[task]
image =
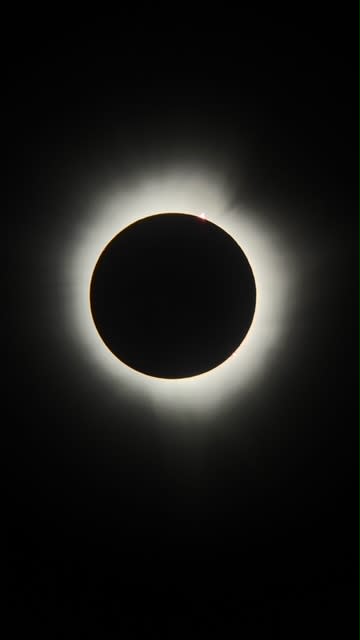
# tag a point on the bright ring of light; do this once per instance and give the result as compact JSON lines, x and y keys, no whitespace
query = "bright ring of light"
{"x":200,"y":194}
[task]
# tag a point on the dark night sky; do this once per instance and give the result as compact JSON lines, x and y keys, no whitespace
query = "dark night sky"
{"x":114,"y":520}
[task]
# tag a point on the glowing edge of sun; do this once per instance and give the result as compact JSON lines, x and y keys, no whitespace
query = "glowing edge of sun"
{"x":190,"y":193}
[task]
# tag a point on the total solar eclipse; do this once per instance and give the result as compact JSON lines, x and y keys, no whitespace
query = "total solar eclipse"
{"x":172,"y":295}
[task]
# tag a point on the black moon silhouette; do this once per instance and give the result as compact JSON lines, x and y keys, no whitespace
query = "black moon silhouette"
{"x":172,"y":295}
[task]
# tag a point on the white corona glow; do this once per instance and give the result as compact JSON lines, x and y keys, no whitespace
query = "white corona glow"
{"x":190,"y":193}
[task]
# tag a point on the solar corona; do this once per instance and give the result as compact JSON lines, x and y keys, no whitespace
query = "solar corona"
{"x":187,"y":344}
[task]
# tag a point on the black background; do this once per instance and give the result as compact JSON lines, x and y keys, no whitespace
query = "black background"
{"x":115,"y":523}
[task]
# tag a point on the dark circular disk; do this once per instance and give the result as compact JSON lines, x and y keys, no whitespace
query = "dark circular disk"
{"x":172,"y":295}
